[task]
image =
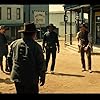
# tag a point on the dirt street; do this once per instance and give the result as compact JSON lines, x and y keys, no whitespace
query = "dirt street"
{"x":68,"y":77}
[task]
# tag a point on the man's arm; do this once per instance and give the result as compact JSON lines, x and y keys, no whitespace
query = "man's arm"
{"x":41,"y":65}
{"x":43,"y":45}
{"x":9,"y":58}
{"x":90,"y":40}
{"x":58,"y":45}
{"x":10,"y":55}
{"x":77,"y":36}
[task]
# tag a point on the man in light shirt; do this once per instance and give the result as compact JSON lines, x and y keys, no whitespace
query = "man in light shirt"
{"x":85,"y":46}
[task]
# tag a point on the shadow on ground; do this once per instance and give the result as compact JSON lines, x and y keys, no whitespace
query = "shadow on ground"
{"x":96,"y":72}
{"x":95,"y":53}
{"x":64,"y":74}
{"x":7,"y":81}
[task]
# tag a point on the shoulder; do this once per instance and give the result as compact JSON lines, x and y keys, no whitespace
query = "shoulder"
{"x":37,"y":46}
{"x":15,"y":42}
{"x":46,"y":33}
{"x":78,"y":32}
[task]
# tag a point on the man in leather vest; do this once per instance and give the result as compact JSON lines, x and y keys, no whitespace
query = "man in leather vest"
{"x":85,"y":44}
{"x":51,"y":44}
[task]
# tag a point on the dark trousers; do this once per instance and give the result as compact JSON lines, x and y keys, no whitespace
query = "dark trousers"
{"x":88,"y":54}
{"x":4,"y":53}
{"x":1,"y":65}
{"x":26,"y":88}
{"x":50,"y":51}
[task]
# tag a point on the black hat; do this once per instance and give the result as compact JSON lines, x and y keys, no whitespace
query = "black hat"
{"x":83,"y":25}
{"x":28,"y":27}
{"x":4,"y":27}
{"x":51,"y":25}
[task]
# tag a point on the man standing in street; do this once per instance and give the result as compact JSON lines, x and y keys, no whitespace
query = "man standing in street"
{"x":27,"y":60}
{"x":3,"y":45}
{"x":85,"y":43}
{"x":51,"y":44}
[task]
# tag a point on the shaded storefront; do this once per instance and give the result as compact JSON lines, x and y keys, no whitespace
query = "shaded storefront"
{"x":93,"y":22}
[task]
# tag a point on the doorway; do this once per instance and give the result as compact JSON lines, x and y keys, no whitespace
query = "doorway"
{"x":98,"y":29}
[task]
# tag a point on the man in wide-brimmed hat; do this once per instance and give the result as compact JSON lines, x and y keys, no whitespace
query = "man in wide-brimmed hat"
{"x":3,"y":45}
{"x":28,"y":61}
{"x":85,"y":43}
{"x":51,"y":44}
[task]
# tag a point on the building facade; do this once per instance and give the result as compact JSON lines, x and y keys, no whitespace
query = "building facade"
{"x":39,"y":14}
{"x":12,"y":17}
{"x":93,"y":22}
{"x":57,"y":18}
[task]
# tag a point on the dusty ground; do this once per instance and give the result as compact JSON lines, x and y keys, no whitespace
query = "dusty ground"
{"x":68,"y":77}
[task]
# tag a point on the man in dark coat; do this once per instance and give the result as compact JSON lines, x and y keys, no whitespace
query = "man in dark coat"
{"x":3,"y":44}
{"x":27,"y":60}
{"x":85,"y":44}
{"x":51,"y":44}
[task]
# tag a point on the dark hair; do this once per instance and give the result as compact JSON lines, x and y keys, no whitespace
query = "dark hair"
{"x":83,"y":25}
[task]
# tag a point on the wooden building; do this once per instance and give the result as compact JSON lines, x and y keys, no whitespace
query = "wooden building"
{"x":93,"y":23}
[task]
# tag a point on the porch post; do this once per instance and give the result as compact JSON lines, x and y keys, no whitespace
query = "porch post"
{"x":82,"y":15}
{"x":91,"y":21}
{"x":65,"y":26}
{"x":65,"y":19}
{"x":70,"y":27}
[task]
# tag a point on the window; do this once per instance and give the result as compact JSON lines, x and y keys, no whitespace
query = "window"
{"x":97,"y":18}
{"x":18,"y":13}
{"x":9,"y":13}
{"x":0,"y":13}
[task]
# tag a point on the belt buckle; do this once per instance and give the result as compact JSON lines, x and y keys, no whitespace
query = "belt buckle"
{"x":50,"y":47}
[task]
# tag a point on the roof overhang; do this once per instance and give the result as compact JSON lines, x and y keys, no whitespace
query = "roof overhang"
{"x":77,"y":7}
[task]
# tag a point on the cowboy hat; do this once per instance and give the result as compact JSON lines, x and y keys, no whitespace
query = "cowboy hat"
{"x":28,"y":27}
{"x":83,"y":25}
{"x":4,"y":27}
{"x":51,"y":25}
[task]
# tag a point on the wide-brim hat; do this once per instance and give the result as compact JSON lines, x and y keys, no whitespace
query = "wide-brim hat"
{"x":28,"y":27}
{"x":51,"y":25}
{"x":4,"y":27}
{"x":83,"y":25}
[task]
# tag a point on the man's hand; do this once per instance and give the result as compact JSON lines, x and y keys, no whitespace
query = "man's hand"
{"x":42,"y":79}
{"x":43,"y":51}
{"x":86,"y":48}
{"x":58,"y":50}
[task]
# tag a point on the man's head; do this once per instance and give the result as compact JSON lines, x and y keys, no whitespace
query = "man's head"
{"x":29,"y":29}
{"x":83,"y":27}
{"x":3,"y":29}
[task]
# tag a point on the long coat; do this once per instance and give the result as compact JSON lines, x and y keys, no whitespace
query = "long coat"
{"x":27,"y":66}
{"x":3,"y":45}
